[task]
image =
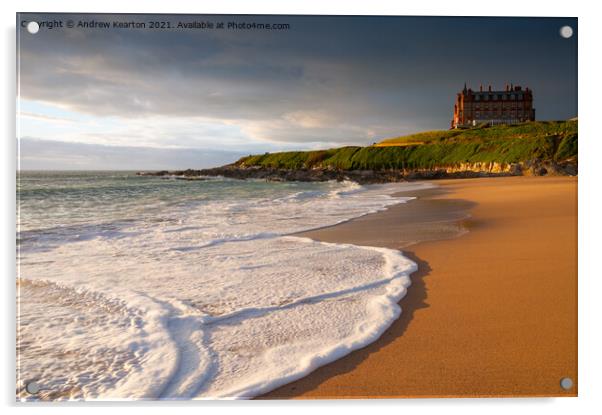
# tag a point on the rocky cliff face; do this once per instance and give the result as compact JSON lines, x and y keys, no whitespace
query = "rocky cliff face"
{"x":529,"y":168}
{"x":464,"y":170}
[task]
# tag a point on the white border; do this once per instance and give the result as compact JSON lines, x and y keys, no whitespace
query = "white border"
{"x":590,"y":386}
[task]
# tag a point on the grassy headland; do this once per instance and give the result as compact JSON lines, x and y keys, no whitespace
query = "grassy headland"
{"x":534,"y":148}
{"x":545,"y":141}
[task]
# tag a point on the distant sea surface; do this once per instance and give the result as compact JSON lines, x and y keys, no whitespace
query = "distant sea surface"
{"x":151,"y":288}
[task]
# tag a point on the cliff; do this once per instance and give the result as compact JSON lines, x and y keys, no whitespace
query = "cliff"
{"x":534,"y":148}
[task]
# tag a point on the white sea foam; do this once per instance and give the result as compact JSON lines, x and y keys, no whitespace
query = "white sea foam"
{"x":215,"y":300}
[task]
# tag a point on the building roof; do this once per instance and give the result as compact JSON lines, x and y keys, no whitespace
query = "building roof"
{"x":498,"y":92}
{"x":510,"y":89}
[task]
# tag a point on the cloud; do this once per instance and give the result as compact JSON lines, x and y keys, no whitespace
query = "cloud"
{"x":300,"y":86}
{"x":44,"y":117}
{"x":310,"y":119}
{"x":36,"y":154}
{"x":329,"y":80}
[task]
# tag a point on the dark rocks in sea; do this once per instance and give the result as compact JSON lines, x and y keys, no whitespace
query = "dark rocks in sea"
{"x":533,"y":167}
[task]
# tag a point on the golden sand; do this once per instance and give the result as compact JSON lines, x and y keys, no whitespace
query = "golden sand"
{"x":492,"y":312}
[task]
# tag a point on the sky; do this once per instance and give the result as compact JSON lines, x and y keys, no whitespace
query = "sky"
{"x":176,"y":98}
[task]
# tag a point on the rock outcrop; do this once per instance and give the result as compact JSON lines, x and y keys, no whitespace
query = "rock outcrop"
{"x":532,"y":167}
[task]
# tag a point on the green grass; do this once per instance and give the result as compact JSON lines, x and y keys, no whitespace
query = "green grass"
{"x":502,"y":144}
{"x":526,"y":130}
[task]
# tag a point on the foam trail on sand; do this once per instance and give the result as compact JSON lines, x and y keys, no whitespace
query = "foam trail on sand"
{"x":209,"y":298}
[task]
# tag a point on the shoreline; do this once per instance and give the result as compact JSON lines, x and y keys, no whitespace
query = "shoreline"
{"x":488,"y":312}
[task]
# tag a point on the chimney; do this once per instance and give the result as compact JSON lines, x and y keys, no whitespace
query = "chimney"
{"x":489,"y":88}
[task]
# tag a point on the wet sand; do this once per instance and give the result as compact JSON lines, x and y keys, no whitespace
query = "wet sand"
{"x":491,"y":311}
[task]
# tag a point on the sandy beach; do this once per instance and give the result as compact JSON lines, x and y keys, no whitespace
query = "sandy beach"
{"x":492,"y":310}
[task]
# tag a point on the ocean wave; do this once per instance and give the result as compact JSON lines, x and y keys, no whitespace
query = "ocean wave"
{"x":221,"y":303}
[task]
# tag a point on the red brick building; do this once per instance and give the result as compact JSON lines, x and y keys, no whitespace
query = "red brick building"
{"x":513,"y":105}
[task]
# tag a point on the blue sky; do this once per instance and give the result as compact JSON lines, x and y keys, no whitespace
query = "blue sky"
{"x":186,"y":98}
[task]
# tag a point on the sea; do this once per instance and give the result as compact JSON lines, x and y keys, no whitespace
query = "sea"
{"x":142,"y":287}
